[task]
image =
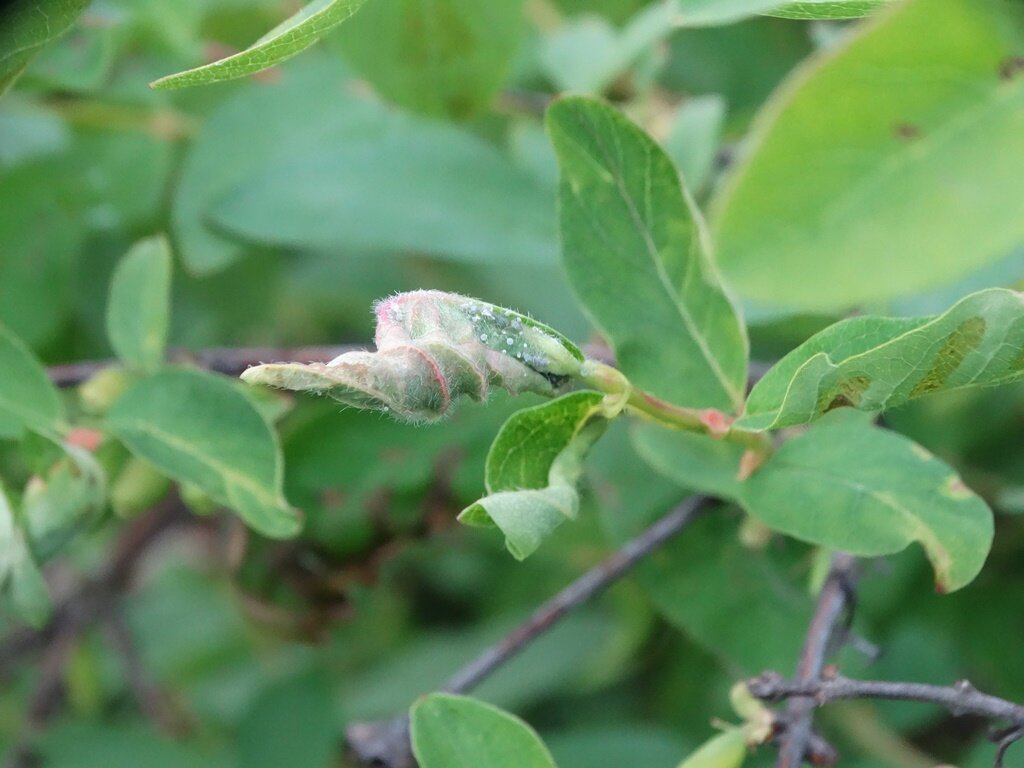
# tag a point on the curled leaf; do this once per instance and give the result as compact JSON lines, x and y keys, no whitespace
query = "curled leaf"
{"x":433,"y":347}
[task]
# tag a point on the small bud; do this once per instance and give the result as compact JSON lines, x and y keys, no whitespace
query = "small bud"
{"x":744,"y":704}
{"x":433,"y":347}
{"x":138,"y":487}
{"x":101,"y":390}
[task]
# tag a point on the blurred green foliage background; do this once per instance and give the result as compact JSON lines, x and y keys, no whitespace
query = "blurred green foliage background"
{"x":407,"y":151}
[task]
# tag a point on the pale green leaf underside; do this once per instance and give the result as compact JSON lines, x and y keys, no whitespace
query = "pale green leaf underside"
{"x":874,"y":363}
{"x":897,"y":189}
{"x":29,"y":26}
{"x":533,"y":467}
{"x":27,"y":397}
{"x":460,"y":732}
{"x":197,"y":428}
{"x":21,"y":583}
{"x":849,"y":486}
{"x":284,"y":41}
{"x":828,"y":9}
{"x":138,"y":311}
{"x":633,"y":250}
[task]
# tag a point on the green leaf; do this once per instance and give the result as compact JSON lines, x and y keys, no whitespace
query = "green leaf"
{"x":849,"y":486}
{"x":290,"y":37}
{"x":304,"y":701}
{"x":460,"y":732}
{"x":696,"y":462}
{"x":726,"y":750}
{"x":27,"y":397}
{"x":692,"y":141}
{"x":419,"y":187}
{"x":698,"y":13}
{"x":197,"y":428}
{"x":29,"y":26}
{"x":533,"y":467}
{"x":897,"y":189}
{"x":445,"y":57}
{"x":21,"y":583}
{"x":138,"y":311}
{"x":874,"y":363}
{"x":63,"y":502}
{"x":634,"y":251}
{"x":808,"y":10}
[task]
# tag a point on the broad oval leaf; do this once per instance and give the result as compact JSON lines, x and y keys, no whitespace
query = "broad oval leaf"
{"x":415,"y":186}
{"x":433,"y":348}
{"x":198,"y":428}
{"x":533,"y":467}
{"x":874,"y":363}
{"x":809,"y":10}
{"x":138,"y":310}
{"x":445,"y":57}
{"x":21,"y":583}
{"x":895,"y":188}
{"x":28,"y":26}
{"x":27,"y":397}
{"x":288,"y":38}
{"x":634,"y":251}
{"x":460,"y":732}
{"x":850,"y":486}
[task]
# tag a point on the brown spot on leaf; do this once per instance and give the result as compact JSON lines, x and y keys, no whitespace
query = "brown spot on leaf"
{"x":966,"y":337}
{"x":846,"y":393}
{"x":955,"y":487}
{"x":1010,"y":67}
{"x":907,"y":131}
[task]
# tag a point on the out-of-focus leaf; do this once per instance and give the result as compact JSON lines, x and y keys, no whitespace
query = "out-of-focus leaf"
{"x":697,"y":462}
{"x":310,"y":740}
{"x":759,"y":621}
{"x":808,"y":10}
{"x":587,"y":55}
{"x":460,"y":732}
{"x":874,"y":363}
{"x":21,"y":583}
{"x":533,"y":467}
{"x":284,"y":41}
{"x":138,"y":311}
{"x":605,"y":746}
{"x":445,"y":57}
{"x":419,"y":187}
{"x":198,"y":428}
{"x":692,"y":141}
{"x":27,"y":397}
{"x":57,"y":506}
{"x":897,"y":189}
{"x":77,"y":744}
{"x":849,"y":486}
{"x":635,"y":253}
{"x":697,"y":13}
{"x":726,"y":750}
{"x":28,"y":26}
{"x":29,"y":131}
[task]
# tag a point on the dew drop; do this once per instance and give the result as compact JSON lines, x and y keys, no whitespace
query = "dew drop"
{"x":510,"y":341}
{"x":483,"y":337}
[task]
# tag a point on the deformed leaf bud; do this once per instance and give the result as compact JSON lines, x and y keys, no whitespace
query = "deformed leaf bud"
{"x":433,"y":347}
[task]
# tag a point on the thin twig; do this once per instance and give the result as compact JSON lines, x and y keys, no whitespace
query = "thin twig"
{"x":834,"y":602}
{"x":228,"y":360}
{"x":386,"y":744}
{"x":960,"y":699}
